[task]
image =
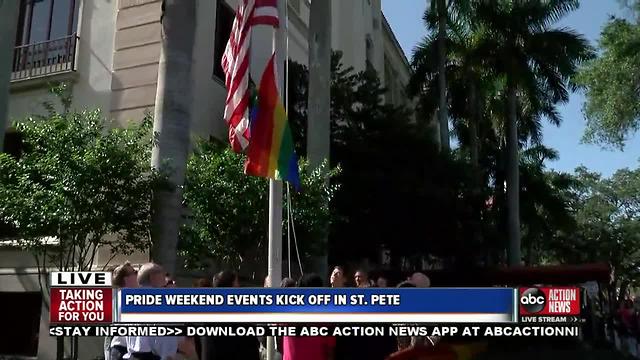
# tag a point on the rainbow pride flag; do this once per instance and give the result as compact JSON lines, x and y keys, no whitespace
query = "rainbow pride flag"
{"x":271,"y":151}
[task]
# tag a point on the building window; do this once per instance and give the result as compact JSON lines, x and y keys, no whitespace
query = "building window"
{"x":224,"y":23}
{"x":45,"y":20}
{"x":21,"y":337}
{"x":45,"y":38}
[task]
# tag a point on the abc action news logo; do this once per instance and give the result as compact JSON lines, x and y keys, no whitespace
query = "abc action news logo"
{"x":550,"y":301}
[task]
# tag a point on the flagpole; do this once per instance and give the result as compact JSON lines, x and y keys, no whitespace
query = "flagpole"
{"x":274,"y":266}
{"x":275,"y":233}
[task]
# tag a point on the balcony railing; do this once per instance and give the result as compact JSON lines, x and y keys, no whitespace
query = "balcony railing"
{"x":44,"y":58}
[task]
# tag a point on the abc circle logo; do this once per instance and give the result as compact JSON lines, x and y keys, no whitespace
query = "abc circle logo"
{"x":533,"y":300}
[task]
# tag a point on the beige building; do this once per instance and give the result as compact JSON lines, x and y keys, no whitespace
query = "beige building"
{"x":109,"y":50}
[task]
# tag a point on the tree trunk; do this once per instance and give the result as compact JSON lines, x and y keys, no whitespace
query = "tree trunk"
{"x":171,"y":126}
{"x":435,"y":127}
{"x":75,"y":347}
{"x":532,"y":256}
{"x":513,"y":179}
{"x":9,"y":13}
{"x":60,"y":348}
{"x":443,"y":117}
{"x":319,"y":114}
{"x":477,"y":199}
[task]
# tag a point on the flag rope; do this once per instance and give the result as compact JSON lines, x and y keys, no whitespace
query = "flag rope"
{"x":290,"y":213}
{"x":288,"y":232}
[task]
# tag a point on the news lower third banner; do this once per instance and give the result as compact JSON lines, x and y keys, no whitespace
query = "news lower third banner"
{"x":316,"y":305}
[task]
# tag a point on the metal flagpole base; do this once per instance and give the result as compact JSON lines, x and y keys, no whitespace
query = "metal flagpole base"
{"x":271,"y":348}
{"x":275,"y":247}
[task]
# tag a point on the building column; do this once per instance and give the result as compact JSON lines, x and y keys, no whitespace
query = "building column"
{"x":9,"y":12}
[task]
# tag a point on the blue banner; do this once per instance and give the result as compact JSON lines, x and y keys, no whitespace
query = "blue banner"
{"x":320,"y":300}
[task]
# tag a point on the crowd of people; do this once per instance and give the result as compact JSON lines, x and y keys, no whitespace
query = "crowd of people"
{"x":627,"y":326}
{"x":247,"y":348}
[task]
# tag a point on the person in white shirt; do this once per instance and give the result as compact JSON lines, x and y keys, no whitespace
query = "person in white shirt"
{"x":124,"y":276}
{"x":151,"y":347}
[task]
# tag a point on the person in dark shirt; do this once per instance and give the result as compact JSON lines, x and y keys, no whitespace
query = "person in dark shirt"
{"x":365,"y":347}
{"x":229,"y":347}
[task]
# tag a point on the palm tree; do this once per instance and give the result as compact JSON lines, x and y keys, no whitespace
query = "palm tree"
{"x":440,"y":18}
{"x":538,"y":62}
{"x":440,"y":7}
{"x":171,"y":127}
{"x":466,"y":90}
{"x":545,"y":209}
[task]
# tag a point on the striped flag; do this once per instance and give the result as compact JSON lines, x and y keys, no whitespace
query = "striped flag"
{"x":235,"y":63}
{"x":271,"y":151}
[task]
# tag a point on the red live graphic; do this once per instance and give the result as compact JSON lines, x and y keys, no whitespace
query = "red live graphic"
{"x":550,"y":301}
{"x":87,"y":305}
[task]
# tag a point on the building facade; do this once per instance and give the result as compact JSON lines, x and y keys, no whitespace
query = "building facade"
{"x":109,"y":51}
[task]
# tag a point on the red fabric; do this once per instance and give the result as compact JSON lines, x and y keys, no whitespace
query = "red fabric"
{"x":235,"y":63}
{"x":308,"y":347}
{"x":627,"y":317}
{"x":262,"y":146}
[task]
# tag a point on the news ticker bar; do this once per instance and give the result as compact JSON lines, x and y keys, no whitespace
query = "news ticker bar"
{"x":298,"y":305}
{"x":450,"y":330}
{"x":87,"y":298}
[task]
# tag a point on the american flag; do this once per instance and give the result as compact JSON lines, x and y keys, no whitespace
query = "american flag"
{"x":235,"y":63}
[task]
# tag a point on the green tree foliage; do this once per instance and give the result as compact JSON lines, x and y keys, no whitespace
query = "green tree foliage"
{"x":397,"y":189}
{"x":228,"y":215}
{"x":607,"y":215}
{"x":507,"y":69}
{"x":544,"y":206}
{"x":612,"y":83}
{"x":80,"y":182}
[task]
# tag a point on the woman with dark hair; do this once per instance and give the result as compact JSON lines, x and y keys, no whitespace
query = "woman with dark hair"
{"x":205,"y":282}
{"x":309,"y":347}
{"x":229,"y":347}
{"x":226,"y":279}
{"x":382,"y":281}
{"x":125,"y":276}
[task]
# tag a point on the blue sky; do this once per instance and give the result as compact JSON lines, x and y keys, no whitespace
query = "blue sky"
{"x":405,"y":17}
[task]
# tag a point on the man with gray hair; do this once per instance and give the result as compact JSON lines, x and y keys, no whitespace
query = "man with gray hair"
{"x":421,"y":280}
{"x":151,"y":275}
{"x":151,"y":347}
